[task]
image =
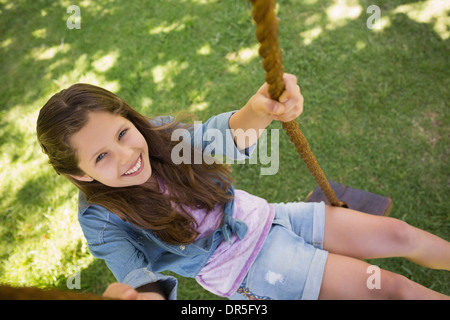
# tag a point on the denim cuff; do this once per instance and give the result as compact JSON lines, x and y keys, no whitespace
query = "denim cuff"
{"x":318,"y":225}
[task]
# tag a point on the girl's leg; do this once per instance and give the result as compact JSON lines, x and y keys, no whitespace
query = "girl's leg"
{"x":364,"y":236}
{"x":347,"y":278}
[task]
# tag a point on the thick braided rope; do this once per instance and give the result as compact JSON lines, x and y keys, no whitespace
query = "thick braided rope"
{"x":267,"y":35}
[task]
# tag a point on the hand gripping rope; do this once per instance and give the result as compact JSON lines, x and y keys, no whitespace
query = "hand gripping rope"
{"x":267,"y":34}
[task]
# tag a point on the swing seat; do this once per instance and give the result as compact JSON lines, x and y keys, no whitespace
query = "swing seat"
{"x":356,"y":199}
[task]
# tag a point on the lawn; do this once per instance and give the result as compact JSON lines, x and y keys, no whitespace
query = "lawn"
{"x":376,"y":108}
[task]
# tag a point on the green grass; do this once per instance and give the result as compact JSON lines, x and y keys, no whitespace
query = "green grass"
{"x":376,"y":108}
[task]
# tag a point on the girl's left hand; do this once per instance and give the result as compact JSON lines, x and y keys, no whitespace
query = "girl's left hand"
{"x":289,"y":106}
{"x":123,"y":291}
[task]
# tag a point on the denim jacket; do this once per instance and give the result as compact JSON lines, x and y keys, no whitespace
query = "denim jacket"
{"x":136,"y":256}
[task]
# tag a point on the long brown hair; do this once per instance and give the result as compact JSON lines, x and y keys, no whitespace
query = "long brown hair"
{"x":193,"y":185}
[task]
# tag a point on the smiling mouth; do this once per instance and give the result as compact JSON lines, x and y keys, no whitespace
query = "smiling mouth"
{"x":136,"y":169}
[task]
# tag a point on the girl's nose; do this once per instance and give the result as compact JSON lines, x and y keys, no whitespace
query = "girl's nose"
{"x":124,"y":155}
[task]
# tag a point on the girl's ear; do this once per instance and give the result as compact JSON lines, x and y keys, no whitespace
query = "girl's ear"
{"x":85,"y":178}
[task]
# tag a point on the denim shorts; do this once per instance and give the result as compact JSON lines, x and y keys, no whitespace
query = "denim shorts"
{"x":291,"y":262}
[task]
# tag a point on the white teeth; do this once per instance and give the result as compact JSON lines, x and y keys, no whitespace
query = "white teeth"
{"x":135,"y":168}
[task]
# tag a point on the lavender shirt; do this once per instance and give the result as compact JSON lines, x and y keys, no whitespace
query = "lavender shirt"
{"x":228,"y":265}
{"x":230,"y":262}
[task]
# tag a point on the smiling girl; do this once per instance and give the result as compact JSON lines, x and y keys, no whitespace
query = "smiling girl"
{"x":144,"y":214}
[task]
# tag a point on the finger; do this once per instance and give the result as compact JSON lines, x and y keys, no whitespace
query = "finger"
{"x":292,"y":95}
{"x":264,"y":90}
{"x":294,"y":104}
{"x":293,"y":109}
{"x":291,"y":87}
{"x":120,"y":291}
{"x":275,"y":108}
{"x":291,"y":91}
{"x":267,"y":105}
{"x":287,"y":116}
{"x":129,"y":294}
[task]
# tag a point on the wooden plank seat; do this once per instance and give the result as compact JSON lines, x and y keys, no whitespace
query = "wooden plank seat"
{"x":356,"y":199}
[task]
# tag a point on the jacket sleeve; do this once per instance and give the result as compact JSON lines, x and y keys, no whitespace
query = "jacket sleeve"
{"x":108,"y":239}
{"x":213,"y":137}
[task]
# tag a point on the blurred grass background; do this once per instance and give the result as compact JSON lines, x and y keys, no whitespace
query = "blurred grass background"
{"x":376,"y":108}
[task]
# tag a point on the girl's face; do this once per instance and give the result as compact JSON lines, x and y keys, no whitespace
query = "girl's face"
{"x":112,"y":151}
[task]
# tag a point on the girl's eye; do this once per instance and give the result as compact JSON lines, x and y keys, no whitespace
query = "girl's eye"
{"x":121,"y":134}
{"x":100,"y":157}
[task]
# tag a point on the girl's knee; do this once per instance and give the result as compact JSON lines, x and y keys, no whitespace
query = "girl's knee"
{"x":395,"y":286}
{"x":402,"y":235}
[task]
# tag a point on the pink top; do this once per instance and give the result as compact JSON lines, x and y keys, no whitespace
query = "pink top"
{"x":228,"y":265}
{"x":230,"y":262}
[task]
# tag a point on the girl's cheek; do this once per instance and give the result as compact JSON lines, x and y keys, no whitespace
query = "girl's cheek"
{"x":105,"y":172}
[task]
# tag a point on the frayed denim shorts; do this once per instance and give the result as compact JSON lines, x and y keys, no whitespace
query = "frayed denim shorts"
{"x":291,"y":262}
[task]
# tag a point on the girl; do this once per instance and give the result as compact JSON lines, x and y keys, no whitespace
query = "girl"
{"x":143,"y":213}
